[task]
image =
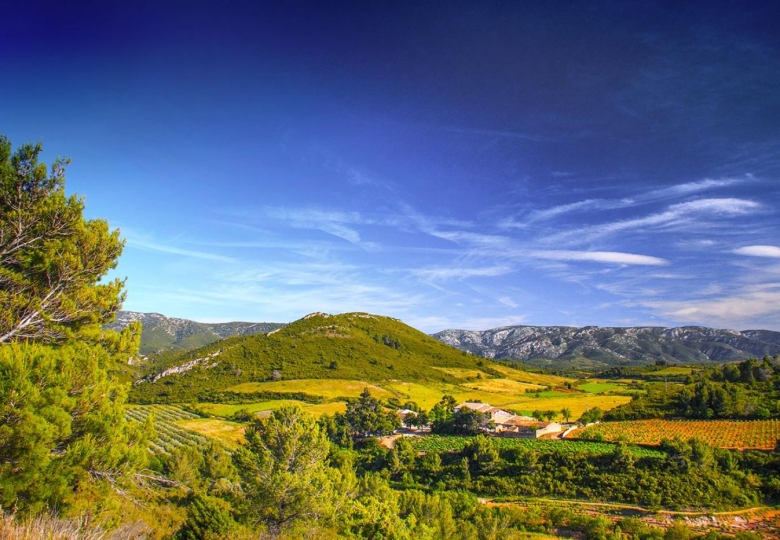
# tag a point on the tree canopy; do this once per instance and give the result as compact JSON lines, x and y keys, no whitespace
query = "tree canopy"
{"x":64,"y":438}
{"x":283,"y":469}
{"x":52,"y":260}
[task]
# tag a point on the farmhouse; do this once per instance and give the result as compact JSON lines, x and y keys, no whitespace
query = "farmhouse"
{"x":496,"y":415}
{"x":403,"y":413}
{"x":524,"y":426}
{"x":508,"y":424}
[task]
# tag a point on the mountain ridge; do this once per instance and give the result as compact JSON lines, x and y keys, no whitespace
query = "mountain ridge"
{"x":160,"y":332}
{"x":595,"y":346}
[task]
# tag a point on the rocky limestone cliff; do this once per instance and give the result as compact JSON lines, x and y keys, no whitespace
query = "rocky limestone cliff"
{"x":593,"y":346}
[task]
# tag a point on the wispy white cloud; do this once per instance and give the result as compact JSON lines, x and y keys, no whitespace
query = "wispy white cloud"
{"x":285,"y":292}
{"x":494,"y":133}
{"x":146,"y":244}
{"x":410,"y":219}
{"x":556,"y":211}
{"x":688,"y":188}
{"x":752,"y":305}
{"x":451,"y":272}
{"x":358,"y":177}
{"x":609,"y":257}
{"x":677,"y":216}
{"x":331,"y":222}
{"x":435,"y":323}
{"x":473,"y":239}
{"x":759,"y":251}
{"x":587,"y":205}
{"x":553,"y":212}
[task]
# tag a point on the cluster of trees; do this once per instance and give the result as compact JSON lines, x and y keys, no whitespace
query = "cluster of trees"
{"x":591,"y":415}
{"x":64,"y":439}
{"x":444,"y":419}
{"x":366,"y":416}
{"x":691,"y":474}
{"x":749,"y":389}
{"x":289,"y":481}
{"x":51,"y":258}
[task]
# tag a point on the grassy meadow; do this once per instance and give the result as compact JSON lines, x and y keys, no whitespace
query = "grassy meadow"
{"x":500,"y":392}
{"x":326,"y":389}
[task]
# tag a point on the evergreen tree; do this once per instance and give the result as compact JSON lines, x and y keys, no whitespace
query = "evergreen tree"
{"x":63,"y":425}
{"x":51,"y":258}
{"x":367,"y":416}
{"x":64,"y":440}
{"x":283,"y":470}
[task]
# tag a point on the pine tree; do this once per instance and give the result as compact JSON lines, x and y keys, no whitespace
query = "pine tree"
{"x":283,"y":470}
{"x":51,"y":258}
{"x":64,"y":428}
{"x":65,"y":443}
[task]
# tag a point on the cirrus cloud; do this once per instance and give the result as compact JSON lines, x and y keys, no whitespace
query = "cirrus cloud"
{"x":609,"y":257}
{"x":759,"y":251}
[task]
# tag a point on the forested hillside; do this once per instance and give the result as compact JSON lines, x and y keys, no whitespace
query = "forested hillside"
{"x":356,"y":346}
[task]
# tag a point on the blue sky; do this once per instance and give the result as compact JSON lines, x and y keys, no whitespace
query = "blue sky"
{"x":454,"y":165}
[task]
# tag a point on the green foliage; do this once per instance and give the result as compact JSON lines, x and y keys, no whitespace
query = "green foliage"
{"x":592,"y":415}
{"x":749,"y":389}
{"x":682,"y":475}
{"x":448,"y":443}
{"x":63,"y":425}
{"x":367,"y":416}
{"x":208,"y":518}
{"x":337,"y":428}
{"x":306,"y":349}
{"x":51,"y":258}
{"x":283,"y":470}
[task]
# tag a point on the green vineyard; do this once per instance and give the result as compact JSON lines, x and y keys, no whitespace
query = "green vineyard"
{"x":169,"y":435}
{"x":442,"y":443}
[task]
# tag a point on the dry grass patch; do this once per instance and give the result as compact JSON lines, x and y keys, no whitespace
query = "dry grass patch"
{"x":462,"y":373}
{"x":675,"y":370}
{"x":226,"y":410}
{"x":576,"y":403}
{"x":229,"y":433}
{"x":425,"y":396}
{"x":503,"y":386}
{"x":325,"y":408}
{"x":428,"y":395}
{"x":325,"y":388}
{"x":532,"y":378}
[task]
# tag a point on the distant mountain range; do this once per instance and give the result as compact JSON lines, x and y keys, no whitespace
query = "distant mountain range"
{"x":168,"y":333}
{"x":596,"y":347}
{"x":545,"y":346}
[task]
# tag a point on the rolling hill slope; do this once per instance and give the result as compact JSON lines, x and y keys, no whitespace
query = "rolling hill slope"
{"x":596,"y":347}
{"x":352,"y":346}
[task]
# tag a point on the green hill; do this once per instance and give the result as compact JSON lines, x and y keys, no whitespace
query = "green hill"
{"x":351,"y":346}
